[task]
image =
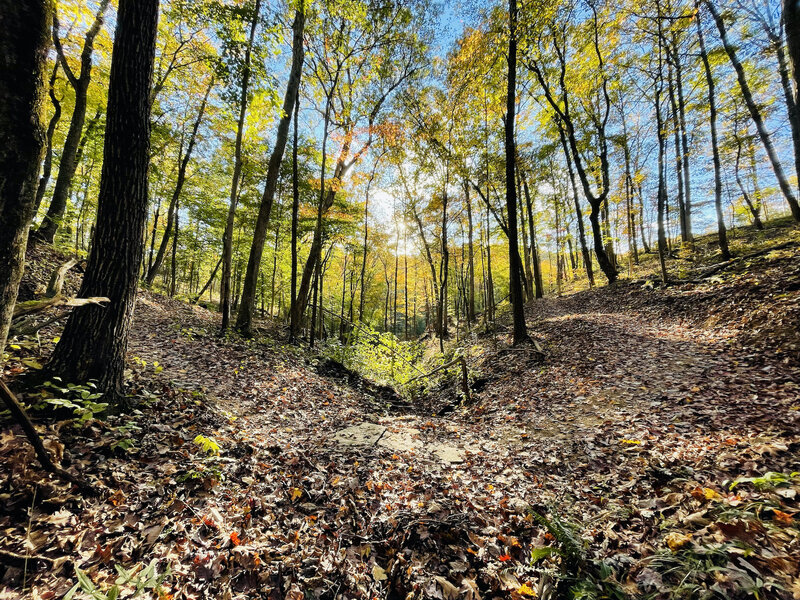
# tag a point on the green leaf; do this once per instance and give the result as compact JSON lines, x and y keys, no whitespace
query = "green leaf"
{"x":538,"y":554}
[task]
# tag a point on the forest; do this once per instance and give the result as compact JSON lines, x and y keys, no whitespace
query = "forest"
{"x":404,"y":299}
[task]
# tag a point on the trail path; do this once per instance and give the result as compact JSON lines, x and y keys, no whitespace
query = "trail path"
{"x":629,"y":415}
{"x":632,"y":429}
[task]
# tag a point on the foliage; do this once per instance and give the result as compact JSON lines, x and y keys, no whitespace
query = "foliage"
{"x":140,"y":580}
{"x":79,"y":398}
{"x":380,"y":356}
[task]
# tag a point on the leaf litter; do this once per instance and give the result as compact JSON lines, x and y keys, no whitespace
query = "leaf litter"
{"x":661,"y":446}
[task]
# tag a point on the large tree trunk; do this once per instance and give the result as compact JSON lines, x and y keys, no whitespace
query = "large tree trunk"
{"x":755,"y":113}
{"x":244,"y":320}
{"x":95,"y":338}
{"x":23,"y":48}
{"x":227,"y":236}
{"x":517,"y":300}
{"x":69,"y":160}
{"x":176,"y":194}
{"x":712,"y":108}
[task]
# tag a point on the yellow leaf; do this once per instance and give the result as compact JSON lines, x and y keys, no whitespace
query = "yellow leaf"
{"x":631,"y":442}
{"x":676,"y":540}
{"x":526,"y":590}
{"x":296,"y":493}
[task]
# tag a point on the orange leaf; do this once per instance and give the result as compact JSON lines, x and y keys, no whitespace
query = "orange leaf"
{"x":504,"y":557}
{"x":782,"y":517}
{"x":235,"y":539}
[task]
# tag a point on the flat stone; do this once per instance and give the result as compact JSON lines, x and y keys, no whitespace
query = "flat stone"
{"x":401,"y":441}
{"x":448,"y":454}
{"x":363,"y":434}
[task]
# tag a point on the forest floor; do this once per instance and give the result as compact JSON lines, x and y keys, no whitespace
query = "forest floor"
{"x":659,"y":438}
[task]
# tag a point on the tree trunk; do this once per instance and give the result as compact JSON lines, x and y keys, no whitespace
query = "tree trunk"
{"x":95,"y":338}
{"x":676,"y":134}
{"x":471,"y":255}
{"x":537,"y":267}
{"x":687,"y":186}
{"x":24,"y":46}
{"x":587,"y":257}
{"x":173,"y":205}
{"x":244,"y":319}
{"x":227,"y":236}
{"x":68,"y":163}
{"x":293,"y":323}
{"x":712,"y":108}
{"x":47,"y":167}
{"x":515,"y":267}
{"x":791,"y":21}
{"x":755,"y":113}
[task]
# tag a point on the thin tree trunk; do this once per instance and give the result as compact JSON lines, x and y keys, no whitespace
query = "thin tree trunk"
{"x":537,"y":267}
{"x":293,"y":323}
{"x":755,"y":113}
{"x":245,"y":316}
{"x":687,"y":186}
{"x":47,"y":166}
{"x":722,"y":233}
{"x":676,"y":135}
{"x":68,"y":162}
{"x":587,"y":257}
{"x":173,"y":204}
{"x":227,"y":236}
{"x":208,"y":283}
{"x":471,"y":255}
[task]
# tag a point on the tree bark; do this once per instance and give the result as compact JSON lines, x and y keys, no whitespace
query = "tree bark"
{"x":69,"y":163}
{"x":518,"y":302}
{"x":293,"y":323}
{"x":95,"y":338}
{"x":791,"y":21}
{"x":722,"y":233}
{"x":244,"y":320}
{"x":471,"y":258}
{"x":24,"y":46}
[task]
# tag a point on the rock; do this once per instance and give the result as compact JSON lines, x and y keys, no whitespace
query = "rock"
{"x":401,"y":441}
{"x":364,"y":434}
{"x":448,"y":454}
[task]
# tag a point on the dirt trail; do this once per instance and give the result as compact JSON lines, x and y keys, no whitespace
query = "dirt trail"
{"x":631,"y":413}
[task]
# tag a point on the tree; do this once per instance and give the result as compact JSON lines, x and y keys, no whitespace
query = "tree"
{"x":152,"y":271}
{"x":244,"y":319}
{"x":755,"y":112}
{"x":227,"y":236}
{"x":515,"y":264}
{"x":95,"y":338}
{"x":560,"y":104}
{"x":23,"y":46}
{"x":69,"y":163}
{"x":791,"y":20}
{"x":712,"y":108}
